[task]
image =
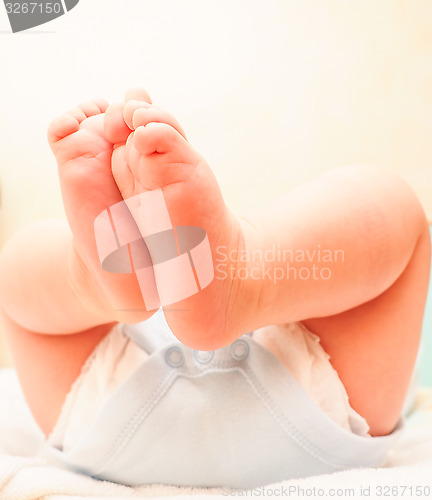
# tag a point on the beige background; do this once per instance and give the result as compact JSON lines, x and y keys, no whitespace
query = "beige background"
{"x":270,"y":92}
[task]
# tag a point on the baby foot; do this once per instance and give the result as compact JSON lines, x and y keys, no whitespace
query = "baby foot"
{"x":84,"y":156}
{"x":158,"y":157}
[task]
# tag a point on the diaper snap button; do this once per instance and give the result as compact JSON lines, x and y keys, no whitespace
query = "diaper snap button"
{"x":175,"y":357}
{"x":203,"y":357}
{"x":240,"y":350}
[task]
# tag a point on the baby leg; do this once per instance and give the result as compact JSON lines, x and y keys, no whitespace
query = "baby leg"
{"x":57,"y":302}
{"x":368,"y":313}
{"x":349,"y":256}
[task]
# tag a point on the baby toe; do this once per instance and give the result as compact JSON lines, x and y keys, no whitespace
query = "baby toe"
{"x":157,"y":138}
{"x":137,"y":94}
{"x":61,"y":127}
{"x":143,"y":116}
{"x":115,"y":128}
{"x":94,"y":107}
{"x":129,"y":110}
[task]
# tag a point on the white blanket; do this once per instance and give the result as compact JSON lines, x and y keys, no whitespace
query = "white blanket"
{"x":24,"y":476}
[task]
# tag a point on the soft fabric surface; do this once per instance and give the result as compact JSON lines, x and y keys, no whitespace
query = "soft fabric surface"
{"x":25,"y":475}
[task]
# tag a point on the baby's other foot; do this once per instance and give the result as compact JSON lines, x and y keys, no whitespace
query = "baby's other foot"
{"x":84,"y":155}
{"x":157,"y":157}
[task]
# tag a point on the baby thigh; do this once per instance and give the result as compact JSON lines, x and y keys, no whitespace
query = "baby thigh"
{"x":374,"y":346}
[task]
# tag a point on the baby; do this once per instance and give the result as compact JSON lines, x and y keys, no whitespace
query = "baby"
{"x":203,"y":391}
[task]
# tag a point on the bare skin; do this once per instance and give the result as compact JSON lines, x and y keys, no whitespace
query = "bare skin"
{"x":58,"y":303}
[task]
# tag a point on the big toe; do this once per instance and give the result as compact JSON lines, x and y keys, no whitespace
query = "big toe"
{"x":143,"y":115}
{"x":117,"y":129}
{"x":138,"y":94}
{"x":160,"y":138}
{"x":159,"y":156}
